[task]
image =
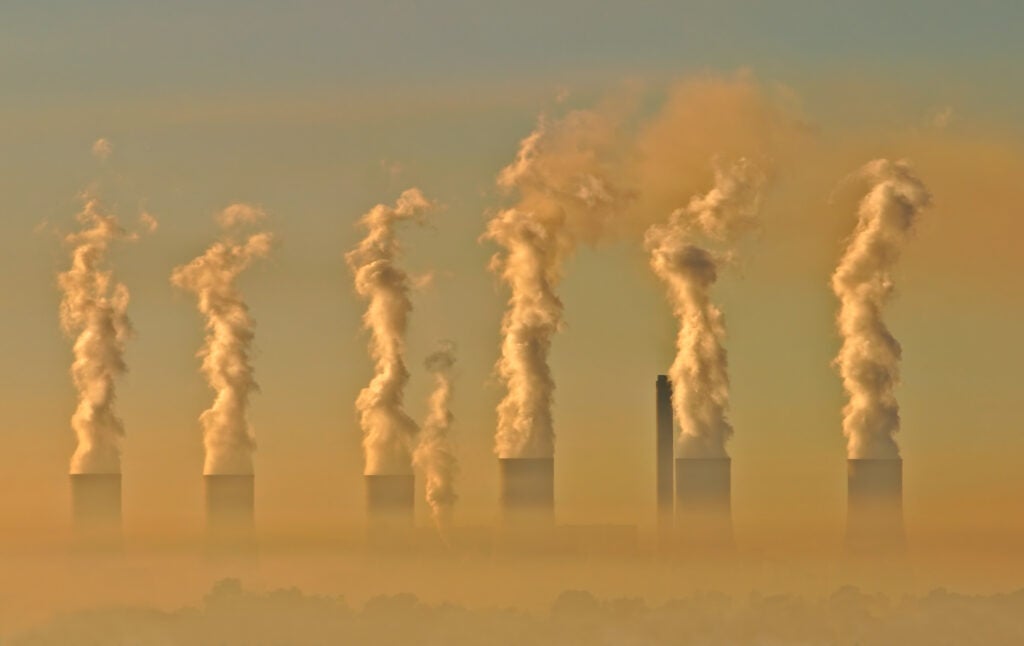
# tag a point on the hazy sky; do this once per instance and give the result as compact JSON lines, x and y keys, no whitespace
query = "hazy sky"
{"x":317,"y":111}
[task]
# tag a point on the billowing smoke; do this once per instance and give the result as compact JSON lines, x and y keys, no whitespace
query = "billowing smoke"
{"x":102,"y":149}
{"x":227,"y":434}
{"x":562,"y":174}
{"x":388,"y":431}
{"x":699,"y":373}
{"x":435,"y":455}
{"x":869,"y":359}
{"x":94,"y":312}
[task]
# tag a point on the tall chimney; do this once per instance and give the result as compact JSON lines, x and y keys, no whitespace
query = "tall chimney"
{"x":874,"y":514}
{"x":528,"y":489}
{"x":230,"y":508}
{"x":664,"y":443}
{"x":96,"y":507}
{"x":703,"y":513}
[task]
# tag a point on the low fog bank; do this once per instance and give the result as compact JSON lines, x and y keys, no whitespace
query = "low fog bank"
{"x":231,"y":614}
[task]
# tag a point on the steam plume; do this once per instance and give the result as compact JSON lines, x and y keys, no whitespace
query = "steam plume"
{"x":869,"y":358}
{"x":227,"y":433}
{"x":94,"y":311}
{"x":102,"y":149}
{"x":388,"y":432}
{"x":435,"y":454}
{"x":562,"y":174}
{"x":699,"y":373}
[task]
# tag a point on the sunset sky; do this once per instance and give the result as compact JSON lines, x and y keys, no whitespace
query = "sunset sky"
{"x":317,"y":111}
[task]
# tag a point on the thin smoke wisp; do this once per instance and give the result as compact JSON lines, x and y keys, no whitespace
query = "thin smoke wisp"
{"x":435,"y":454}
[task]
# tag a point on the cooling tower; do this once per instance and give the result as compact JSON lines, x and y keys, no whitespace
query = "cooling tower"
{"x":230,"y":505}
{"x":874,"y":513}
{"x":390,"y":497}
{"x":528,"y":489}
{"x":703,"y":514}
{"x":96,"y":503}
{"x":664,"y":443}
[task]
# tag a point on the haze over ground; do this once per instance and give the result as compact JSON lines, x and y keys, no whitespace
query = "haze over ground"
{"x":315,"y":113}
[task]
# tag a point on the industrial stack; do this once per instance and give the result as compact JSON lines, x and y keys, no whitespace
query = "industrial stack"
{"x":703,"y":515}
{"x":874,"y":520}
{"x":390,"y":509}
{"x":230,"y":510}
{"x":703,"y":510}
{"x":665,"y":443}
{"x":96,"y":508}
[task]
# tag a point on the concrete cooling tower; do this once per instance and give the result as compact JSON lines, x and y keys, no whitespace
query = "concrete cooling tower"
{"x":874,"y":516}
{"x":96,"y":506}
{"x":390,"y":498}
{"x":528,"y":489}
{"x":703,"y":513}
{"x":390,"y":511}
{"x":230,"y":510}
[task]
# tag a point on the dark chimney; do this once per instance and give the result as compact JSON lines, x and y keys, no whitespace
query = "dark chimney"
{"x":528,"y":489}
{"x":664,"y":443}
{"x":703,"y":513}
{"x":874,"y":515}
{"x":96,"y":506}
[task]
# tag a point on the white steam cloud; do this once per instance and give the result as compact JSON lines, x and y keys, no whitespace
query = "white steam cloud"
{"x":102,"y":149}
{"x":435,"y":455}
{"x":388,"y":431}
{"x":869,"y":359}
{"x":94,"y":312}
{"x":227,"y":434}
{"x":699,"y":373}
{"x":562,"y":175}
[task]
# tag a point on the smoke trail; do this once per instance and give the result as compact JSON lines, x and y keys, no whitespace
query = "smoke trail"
{"x":102,"y":149}
{"x":562,"y":174}
{"x":699,"y":373}
{"x":388,"y":432}
{"x":227,"y":434}
{"x":94,"y":311}
{"x":435,"y":454}
{"x":869,"y":358}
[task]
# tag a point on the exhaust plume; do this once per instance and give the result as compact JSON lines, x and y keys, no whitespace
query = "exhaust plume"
{"x":435,"y":454}
{"x":388,"y":431}
{"x":562,"y":175}
{"x":94,"y":312}
{"x":227,"y":434}
{"x":869,"y":358}
{"x":699,"y":373}
{"x":102,"y":149}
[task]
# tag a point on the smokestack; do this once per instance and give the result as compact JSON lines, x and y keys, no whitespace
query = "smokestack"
{"x":874,"y":515}
{"x":528,"y":489}
{"x":664,"y":446}
{"x":703,"y":492}
{"x":96,"y":505}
